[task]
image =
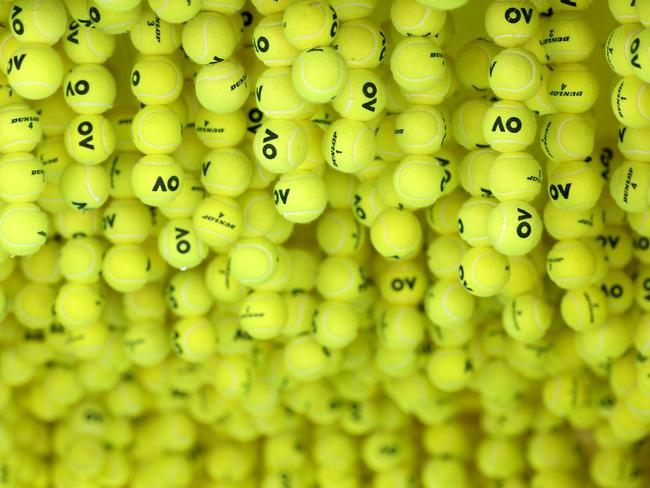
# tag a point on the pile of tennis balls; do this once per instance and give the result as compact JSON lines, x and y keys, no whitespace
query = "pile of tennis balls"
{"x":333,"y":243}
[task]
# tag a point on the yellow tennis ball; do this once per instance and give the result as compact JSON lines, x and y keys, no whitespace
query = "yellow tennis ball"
{"x":71,"y":223}
{"x":450,"y":370}
{"x":35,"y":71}
{"x":187,"y":294}
{"x":515,"y":74}
{"x":567,"y":137}
{"x":277,"y":98}
{"x":444,"y":254}
{"x":420,"y":130}
{"x":33,"y":306}
{"x":628,"y":186}
{"x":306,"y":359}
{"x":52,"y":154}
{"x":417,"y":63}
{"x":156,"y":179}
{"x":300,"y":196}
{"x":574,"y":185}
{"x":509,"y":126}
{"x":226,"y":172}
{"x":418,"y":181}
{"x":631,"y":143}
{"x":84,"y":187}
{"x":218,"y":220}
{"x":154,"y":35}
{"x":474,"y":171}
{"x":125,"y":267}
{"x":89,"y":139}
{"x":363,"y":97}
{"x":220,"y":130}
{"x":526,"y":318}
{"x":351,"y":10}
{"x":447,"y":304}
{"x":310,"y":23}
{"x":146,"y":343}
{"x":348,"y":145}
{"x":86,"y":45}
{"x":339,"y":234}
{"x":514,"y":228}
{"x":567,"y":38}
{"x":472,"y":221}
{"x":280,"y":145}
{"x":467,"y":123}
{"x":253,"y":260}
{"x":222,"y":87}
{"x":483,"y":271}
{"x":23,"y":129}
{"x":22,"y":178}
{"x":340,"y":278}
{"x":193,"y":339}
{"x":572,"y":88}
{"x":126,"y":221}
{"x":175,"y":12}
{"x":186,"y":200}
{"x":319,"y":74}
{"x":78,"y":305}
{"x":156,"y":80}
{"x":570,"y":264}
{"x":38,"y":21}
{"x":209,"y":37}
{"x":179,"y":244}
{"x":411,"y":18}
{"x":511,"y":24}
{"x":89,"y":89}
{"x":618,"y":49}
{"x":271,"y":45}
{"x":584,"y":308}
{"x":259,"y":213}
{"x":629,"y":100}
{"x":515,"y":176}
{"x":157,"y":129}
{"x":262,"y":314}
{"x":80,"y":259}
{"x":223,"y":286}
{"x":361,"y":43}
{"x":396,"y":234}
{"x":473,"y":63}
{"x":112,"y":21}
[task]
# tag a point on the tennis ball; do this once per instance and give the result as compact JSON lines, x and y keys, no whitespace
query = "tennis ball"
{"x":226,"y":172}
{"x":209,"y":37}
{"x":447,"y":304}
{"x":219,"y":130}
{"x":186,"y":200}
{"x":567,"y":137}
{"x":335,"y":324}
{"x":348,"y":145}
{"x":511,"y":24}
{"x":277,"y":98}
{"x":629,"y":100}
{"x":418,"y":181}
{"x":38,"y":21}
{"x":569,"y":224}
{"x":33,"y":307}
{"x":450,"y":370}
{"x":387,"y":148}
{"x":444,"y":254}
{"x":339,"y":234}
{"x":472,"y":221}
{"x":417,"y":63}
{"x":222,"y":87}
{"x":584,"y":308}
{"x":125,"y":267}
{"x":157,"y":129}
{"x":420,"y":130}
{"x":71,"y":223}
{"x":361,"y":43}
{"x":310,"y":23}
{"x":412,"y":18}
{"x":121,"y":118}
{"x":396,"y":234}
{"x":618,"y":49}
{"x":78,"y":305}
{"x":187,"y":294}
{"x":572,"y":88}
{"x":402,"y":282}
{"x":367,"y":203}
{"x":280,"y":145}
{"x":499,"y":458}
{"x":400,"y":329}
{"x":631,"y":143}
{"x":156,"y":179}
{"x":43,"y":266}
{"x":156,"y":80}
{"x":567,"y":38}
{"x":340,"y":188}
{"x":300,"y":196}
{"x":642,"y":285}
{"x":514,"y":228}
{"x":605,"y":343}
{"x":619,"y":289}
{"x":126,"y":221}
{"x":89,"y":139}
{"x":53,"y":112}
{"x":515,"y":74}
{"x":509,"y":126}
{"x":319,"y":74}
{"x":271,"y":45}
{"x":474,"y":170}
{"x":574,"y":185}
{"x":175,"y":12}
{"x":259,"y":213}
{"x":340,"y":278}
{"x":253,"y":260}
{"x":51,"y":153}
{"x":515,"y":176}
{"x":218,"y":220}
{"x":89,"y":89}
{"x":34,"y":71}
{"x":527,"y":318}
{"x":179,"y":244}
{"x":146,"y":343}
{"x":473,"y":63}
{"x":617,"y":244}
{"x":22,"y":178}
{"x":306,"y":359}
{"x":627,"y":186}
{"x":223,"y":286}
{"x":363,"y":97}
{"x":570,"y":264}
{"x":442,"y":216}
{"x":467,"y":123}
{"x":84,"y":187}
{"x":154,"y":35}
{"x":193,"y":339}
{"x":22,"y":128}
{"x":111,"y":21}
{"x":483,"y":271}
